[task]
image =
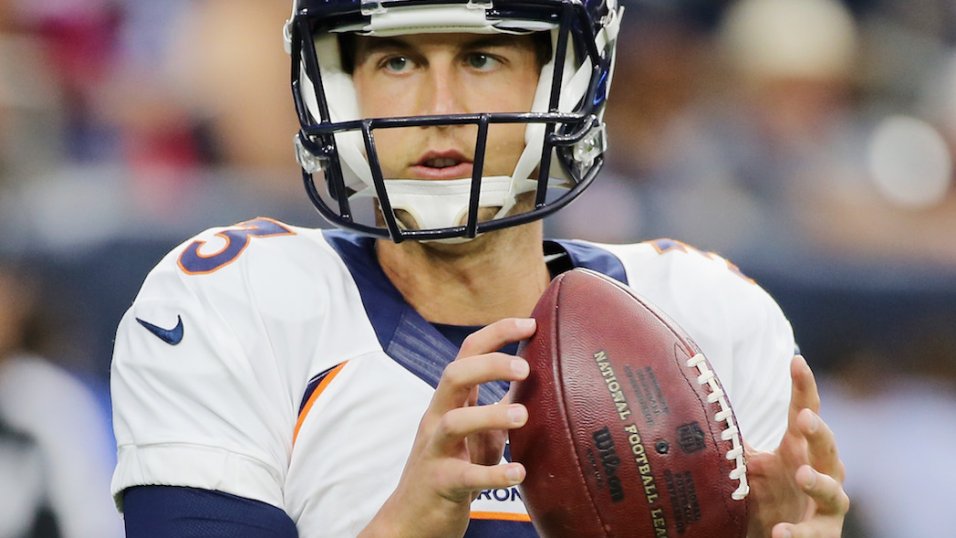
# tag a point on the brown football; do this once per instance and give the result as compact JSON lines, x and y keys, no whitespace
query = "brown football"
{"x":629,"y":432}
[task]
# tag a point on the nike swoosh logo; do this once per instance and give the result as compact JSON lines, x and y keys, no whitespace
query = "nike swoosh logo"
{"x":170,"y":336}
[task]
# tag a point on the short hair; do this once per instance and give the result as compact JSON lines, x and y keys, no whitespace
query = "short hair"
{"x":542,"y":49}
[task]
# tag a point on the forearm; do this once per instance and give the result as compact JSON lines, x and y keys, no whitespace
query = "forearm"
{"x":405,"y":517}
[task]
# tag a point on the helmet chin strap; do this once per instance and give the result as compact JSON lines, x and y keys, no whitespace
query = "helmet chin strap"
{"x":437,"y":204}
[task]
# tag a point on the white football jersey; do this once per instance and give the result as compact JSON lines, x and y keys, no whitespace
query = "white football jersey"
{"x":280,"y":364}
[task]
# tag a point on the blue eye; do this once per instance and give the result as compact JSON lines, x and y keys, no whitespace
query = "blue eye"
{"x":481,"y":61}
{"x":397,"y":64}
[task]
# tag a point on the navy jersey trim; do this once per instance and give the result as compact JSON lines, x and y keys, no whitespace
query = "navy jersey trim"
{"x":588,"y":256}
{"x":409,"y":339}
{"x":404,"y":335}
{"x":383,"y":302}
{"x":175,"y":512}
{"x":312,"y":385}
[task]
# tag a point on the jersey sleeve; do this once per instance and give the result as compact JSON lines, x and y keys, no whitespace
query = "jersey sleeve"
{"x":173,"y":512}
{"x":199,"y":397}
{"x":737,"y":325}
{"x":759,"y":368}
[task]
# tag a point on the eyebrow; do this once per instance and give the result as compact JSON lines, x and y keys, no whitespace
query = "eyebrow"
{"x":369,"y":45}
{"x":364,"y":46}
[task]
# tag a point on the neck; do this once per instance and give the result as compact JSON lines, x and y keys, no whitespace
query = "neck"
{"x":500,"y":274}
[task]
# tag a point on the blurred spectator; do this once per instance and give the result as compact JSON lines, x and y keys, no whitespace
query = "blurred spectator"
{"x":55,"y":450}
{"x":662,"y":64}
{"x":905,"y":206}
{"x":78,"y":39}
{"x":896,"y":397}
{"x":713,"y":130}
{"x":30,"y":103}
{"x":179,"y":138}
{"x":229,"y":67}
{"x":780,"y":114}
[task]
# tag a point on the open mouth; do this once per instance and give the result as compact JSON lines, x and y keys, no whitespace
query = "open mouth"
{"x":442,"y":162}
{"x":442,"y":165}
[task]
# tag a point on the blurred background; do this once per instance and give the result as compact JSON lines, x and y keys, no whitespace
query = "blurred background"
{"x":812,"y":142}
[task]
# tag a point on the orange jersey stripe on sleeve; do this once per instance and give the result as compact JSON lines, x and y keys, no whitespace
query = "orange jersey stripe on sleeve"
{"x":501,"y":516}
{"x":315,"y":395}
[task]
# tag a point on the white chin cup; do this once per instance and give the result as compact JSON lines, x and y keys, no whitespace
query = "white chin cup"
{"x":444,"y":203}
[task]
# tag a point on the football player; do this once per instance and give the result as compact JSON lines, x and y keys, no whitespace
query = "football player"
{"x":275,"y":381}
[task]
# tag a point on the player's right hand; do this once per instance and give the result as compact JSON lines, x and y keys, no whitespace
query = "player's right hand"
{"x":458,"y":447}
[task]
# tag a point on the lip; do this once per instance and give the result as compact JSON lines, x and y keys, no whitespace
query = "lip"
{"x":459,"y":171}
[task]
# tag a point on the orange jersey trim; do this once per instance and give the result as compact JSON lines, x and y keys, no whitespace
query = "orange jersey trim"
{"x":315,"y":396}
{"x":502,"y":516}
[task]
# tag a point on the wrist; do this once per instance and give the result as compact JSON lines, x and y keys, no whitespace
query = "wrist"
{"x":401,"y":517}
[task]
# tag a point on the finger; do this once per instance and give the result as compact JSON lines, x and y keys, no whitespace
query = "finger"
{"x":782,"y":530}
{"x":487,"y":447}
{"x":459,"y":382}
{"x":478,"y":477}
{"x":820,"y":526}
{"x":821,"y":445}
{"x":828,"y":494}
{"x":804,"y":394}
{"x":497,"y":335}
{"x":817,"y":527}
{"x":460,"y":481}
{"x":461,"y":376}
{"x":461,"y":422}
{"x":493,"y":337}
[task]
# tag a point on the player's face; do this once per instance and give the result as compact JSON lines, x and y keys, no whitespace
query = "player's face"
{"x":434,"y":74}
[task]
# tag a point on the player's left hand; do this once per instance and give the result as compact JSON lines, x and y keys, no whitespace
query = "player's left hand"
{"x":797,"y":491}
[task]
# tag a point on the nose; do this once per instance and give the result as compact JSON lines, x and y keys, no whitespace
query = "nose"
{"x":444,"y":94}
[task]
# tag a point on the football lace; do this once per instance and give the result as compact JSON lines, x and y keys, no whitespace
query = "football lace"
{"x":731,"y":432}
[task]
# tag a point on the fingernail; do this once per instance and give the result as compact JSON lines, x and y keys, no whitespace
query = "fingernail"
{"x":787,"y":534}
{"x":526,"y":323}
{"x":517,"y":413}
{"x":513,"y":474}
{"x":520,"y":367}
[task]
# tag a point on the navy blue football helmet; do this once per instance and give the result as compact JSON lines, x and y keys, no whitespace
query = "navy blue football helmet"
{"x":564,"y":130}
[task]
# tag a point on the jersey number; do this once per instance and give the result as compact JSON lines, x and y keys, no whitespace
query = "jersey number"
{"x":664,"y":245}
{"x":237,"y":237}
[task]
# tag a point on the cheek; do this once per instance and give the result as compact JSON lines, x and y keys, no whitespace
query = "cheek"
{"x":379,"y":96}
{"x":506,"y":142}
{"x":393,"y":147}
{"x":513,"y":92}
{"x":363,"y":91}
{"x":505,"y":145}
